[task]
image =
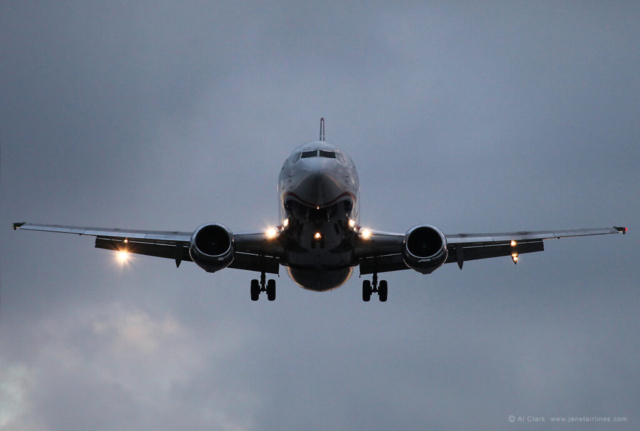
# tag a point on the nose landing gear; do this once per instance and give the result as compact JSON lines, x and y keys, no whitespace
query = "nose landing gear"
{"x":262,"y":285}
{"x":368,"y":288}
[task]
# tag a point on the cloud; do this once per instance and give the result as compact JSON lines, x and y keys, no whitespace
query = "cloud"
{"x":14,"y":385}
{"x":99,"y":363}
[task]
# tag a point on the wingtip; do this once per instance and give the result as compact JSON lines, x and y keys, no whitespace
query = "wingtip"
{"x":621,"y":229}
{"x":18,"y":225}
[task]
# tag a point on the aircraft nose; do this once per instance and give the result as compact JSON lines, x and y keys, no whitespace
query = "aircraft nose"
{"x":318,"y":189}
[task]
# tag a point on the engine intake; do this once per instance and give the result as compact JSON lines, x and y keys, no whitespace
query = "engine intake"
{"x":424,"y":249}
{"x":212,"y":247}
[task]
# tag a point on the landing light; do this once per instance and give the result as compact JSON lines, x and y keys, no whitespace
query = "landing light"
{"x":352,"y":223}
{"x":123,"y":255}
{"x":513,"y":243}
{"x":285,"y":223}
{"x":271,"y":233}
{"x":514,"y":256}
{"x":366,"y":234}
{"x":318,"y":235}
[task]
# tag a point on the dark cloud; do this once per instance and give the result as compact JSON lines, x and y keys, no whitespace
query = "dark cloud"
{"x":482,"y":117}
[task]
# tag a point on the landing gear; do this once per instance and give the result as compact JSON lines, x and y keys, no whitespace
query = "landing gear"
{"x":271,"y":290}
{"x":368,"y":288}
{"x":383,"y":291}
{"x":255,"y":290}
{"x":262,"y":285}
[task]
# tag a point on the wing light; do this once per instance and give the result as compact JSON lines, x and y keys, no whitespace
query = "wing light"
{"x":623,"y":230}
{"x":271,"y":233}
{"x":514,"y":251}
{"x":123,"y":256}
{"x":366,"y":234}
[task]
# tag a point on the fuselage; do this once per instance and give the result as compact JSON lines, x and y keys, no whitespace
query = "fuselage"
{"x":318,"y":192}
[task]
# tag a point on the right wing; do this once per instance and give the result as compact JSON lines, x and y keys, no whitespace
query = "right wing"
{"x":253,"y":252}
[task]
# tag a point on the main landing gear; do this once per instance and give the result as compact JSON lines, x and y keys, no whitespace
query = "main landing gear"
{"x":263,"y":285}
{"x":368,"y":288}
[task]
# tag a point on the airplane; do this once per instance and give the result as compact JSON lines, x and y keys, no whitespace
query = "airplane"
{"x":319,"y":240}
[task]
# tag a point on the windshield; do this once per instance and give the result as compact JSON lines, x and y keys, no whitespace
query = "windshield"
{"x":318,"y":153}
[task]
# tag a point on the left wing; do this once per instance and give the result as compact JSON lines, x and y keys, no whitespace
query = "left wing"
{"x":383,"y":251}
{"x":252,"y":250}
{"x":470,"y":246}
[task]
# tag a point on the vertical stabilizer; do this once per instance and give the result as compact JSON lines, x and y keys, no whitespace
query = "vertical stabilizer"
{"x":322,"y":129}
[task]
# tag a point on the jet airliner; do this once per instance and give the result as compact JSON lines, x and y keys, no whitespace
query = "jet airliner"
{"x":319,"y":240}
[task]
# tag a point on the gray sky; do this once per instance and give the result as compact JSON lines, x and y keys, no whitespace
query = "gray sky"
{"x":469,"y":117}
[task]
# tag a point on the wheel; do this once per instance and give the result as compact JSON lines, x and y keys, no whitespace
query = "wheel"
{"x":255,"y":290}
{"x":366,"y":290}
{"x":271,"y":290}
{"x":383,"y":290}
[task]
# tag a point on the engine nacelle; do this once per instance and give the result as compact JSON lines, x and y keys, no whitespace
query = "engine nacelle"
{"x":424,"y":249}
{"x":212,"y":247}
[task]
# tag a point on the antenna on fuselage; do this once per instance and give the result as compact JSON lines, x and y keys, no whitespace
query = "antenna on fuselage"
{"x":322,"y":129}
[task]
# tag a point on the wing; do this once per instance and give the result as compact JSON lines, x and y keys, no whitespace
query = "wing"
{"x":252,"y":250}
{"x":469,"y":246}
{"x":384,"y":251}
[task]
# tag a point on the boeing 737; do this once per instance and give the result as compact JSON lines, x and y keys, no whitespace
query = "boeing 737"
{"x":319,"y":239}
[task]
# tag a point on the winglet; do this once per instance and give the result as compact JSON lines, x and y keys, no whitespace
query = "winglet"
{"x":18,"y":225}
{"x":322,"y":129}
{"x":621,"y":229}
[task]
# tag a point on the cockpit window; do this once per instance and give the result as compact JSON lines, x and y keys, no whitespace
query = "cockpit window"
{"x":328,"y":154}
{"x":296,"y":158}
{"x":316,"y":153}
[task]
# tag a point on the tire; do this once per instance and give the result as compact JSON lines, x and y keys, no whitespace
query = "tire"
{"x":255,"y":290}
{"x":271,"y":290}
{"x":383,"y":290}
{"x":366,"y":290}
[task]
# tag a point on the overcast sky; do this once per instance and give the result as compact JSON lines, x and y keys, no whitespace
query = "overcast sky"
{"x":472,"y":117}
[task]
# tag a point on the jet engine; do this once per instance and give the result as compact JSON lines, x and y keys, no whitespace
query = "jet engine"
{"x":424,"y":249}
{"x":212,"y":247}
